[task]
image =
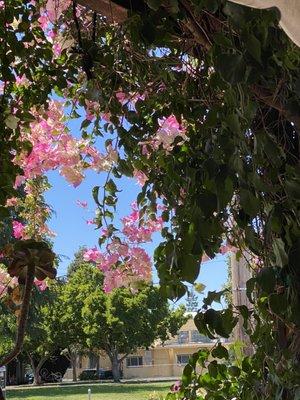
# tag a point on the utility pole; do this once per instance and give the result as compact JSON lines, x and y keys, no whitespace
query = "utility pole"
{"x":240,"y":273}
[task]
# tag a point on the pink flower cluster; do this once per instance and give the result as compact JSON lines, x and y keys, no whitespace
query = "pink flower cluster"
{"x":55,"y":8}
{"x":137,"y":232}
{"x":122,"y":265}
{"x":18,"y":230}
{"x":169,"y":130}
{"x":140,"y":177}
{"x":41,"y":285}
{"x":129,"y":99}
{"x":54,"y":148}
{"x":6,"y":282}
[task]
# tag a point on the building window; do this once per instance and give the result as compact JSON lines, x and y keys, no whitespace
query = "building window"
{"x":183,"y":337}
{"x":197,"y":338}
{"x":183,"y":359}
{"x":134,"y":361}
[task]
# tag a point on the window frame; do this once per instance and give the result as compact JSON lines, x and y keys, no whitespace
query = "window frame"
{"x":182,"y":355}
{"x":140,"y":362}
{"x":180,"y":341}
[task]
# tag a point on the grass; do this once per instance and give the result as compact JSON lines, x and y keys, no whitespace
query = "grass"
{"x":130,"y":391}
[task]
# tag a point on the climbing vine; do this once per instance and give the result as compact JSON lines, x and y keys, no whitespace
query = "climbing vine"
{"x":199,"y":100}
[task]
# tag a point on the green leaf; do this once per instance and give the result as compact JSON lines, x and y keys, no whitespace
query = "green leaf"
{"x":233,"y":123}
{"x":234,"y":371}
{"x":199,"y":287}
{"x":280,"y":253}
{"x":266,"y":279}
{"x":111,"y":187}
{"x":293,"y":188}
{"x":154,"y":4}
{"x":12,"y":121}
{"x":202,"y":326}
{"x":250,"y":284}
{"x":190,"y":267}
{"x":213,"y":368}
{"x":249,"y":202}
{"x":254,"y":47}
{"x":278,"y":303}
{"x":213,"y":296}
{"x":231,"y":67}
{"x":220,"y":352}
{"x":95,"y":193}
{"x":187,"y":375}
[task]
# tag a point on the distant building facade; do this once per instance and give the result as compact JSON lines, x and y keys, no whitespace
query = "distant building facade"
{"x":159,"y":361}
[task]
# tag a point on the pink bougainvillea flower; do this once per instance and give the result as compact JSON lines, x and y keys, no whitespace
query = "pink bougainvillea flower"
{"x":18,"y":230}
{"x":44,"y":21}
{"x":122,"y":97}
{"x":82,"y":204}
{"x":90,"y":222}
{"x":41,"y":285}
{"x":55,"y":8}
{"x":139,"y":233}
{"x":19,"y":181}
{"x":57,"y":49}
{"x":169,"y":129}
{"x":11,"y":202}
{"x":93,"y":255}
{"x":176,"y":387}
{"x":140,"y":177}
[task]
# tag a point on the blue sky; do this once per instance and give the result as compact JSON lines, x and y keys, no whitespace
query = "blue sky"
{"x":69,"y":223}
{"x":69,"y":220}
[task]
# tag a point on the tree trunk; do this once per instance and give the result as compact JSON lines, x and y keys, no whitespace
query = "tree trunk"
{"x":1,"y":395}
{"x":73,"y":360}
{"x":36,"y":369}
{"x":115,"y":364}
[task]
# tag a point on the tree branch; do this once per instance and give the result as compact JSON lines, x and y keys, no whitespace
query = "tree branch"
{"x":23,"y":317}
{"x":270,"y":100}
{"x":112,"y":11}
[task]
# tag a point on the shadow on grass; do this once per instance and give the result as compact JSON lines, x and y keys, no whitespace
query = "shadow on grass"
{"x":104,"y":389}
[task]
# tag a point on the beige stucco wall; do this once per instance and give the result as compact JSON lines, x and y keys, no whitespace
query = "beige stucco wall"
{"x":159,"y":361}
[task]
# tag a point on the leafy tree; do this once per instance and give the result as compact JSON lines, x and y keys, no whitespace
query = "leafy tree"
{"x":77,"y":261}
{"x":84,"y":279}
{"x":37,"y":345}
{"x":120,"y":322}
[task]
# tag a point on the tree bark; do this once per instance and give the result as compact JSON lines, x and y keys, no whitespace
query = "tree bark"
{"x":73,"y":360}
{"x":36,"y":369}
{"x":22,"y":319}
{"x":115,"y":365}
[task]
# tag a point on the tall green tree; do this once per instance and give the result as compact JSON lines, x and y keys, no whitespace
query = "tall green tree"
{"x":119,"y":322}
{"x":38,"y":345}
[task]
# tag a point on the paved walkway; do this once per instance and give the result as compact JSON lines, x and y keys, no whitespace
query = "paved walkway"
{"x":93,"y":383}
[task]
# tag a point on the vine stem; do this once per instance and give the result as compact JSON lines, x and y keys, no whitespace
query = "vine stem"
{"x":22,"y":319}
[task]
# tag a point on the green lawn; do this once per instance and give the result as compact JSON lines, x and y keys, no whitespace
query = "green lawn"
{"x":140,"y":391}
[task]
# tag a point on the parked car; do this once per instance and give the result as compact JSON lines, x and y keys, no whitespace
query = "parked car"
{"x":29,"y":378}
{"x":93,"y":374}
